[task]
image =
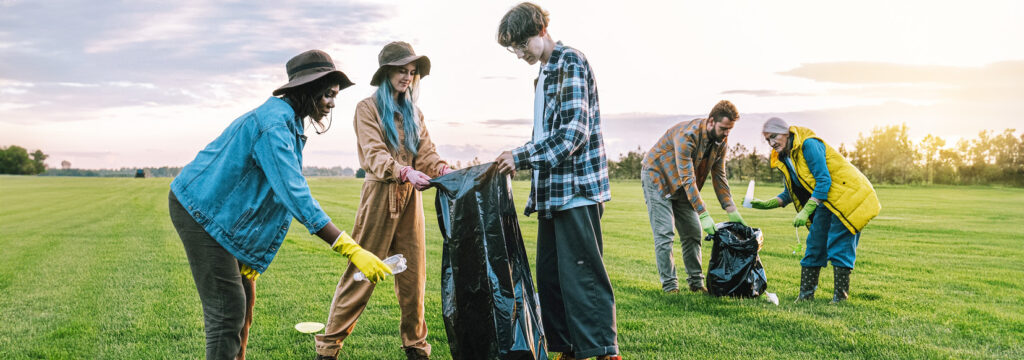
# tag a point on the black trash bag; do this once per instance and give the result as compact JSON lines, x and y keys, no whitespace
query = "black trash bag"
{"x":735,"y":268}
{"x":489,"y":304}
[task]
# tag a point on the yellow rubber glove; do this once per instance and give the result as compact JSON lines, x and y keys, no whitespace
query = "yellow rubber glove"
{"x":249,"y":273}
{"x":374,"y":269}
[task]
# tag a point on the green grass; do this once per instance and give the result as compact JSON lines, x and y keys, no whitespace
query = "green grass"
{"x":92,"y":269}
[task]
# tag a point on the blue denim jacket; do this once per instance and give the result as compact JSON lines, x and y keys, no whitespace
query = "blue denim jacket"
{"x":246,"y":185}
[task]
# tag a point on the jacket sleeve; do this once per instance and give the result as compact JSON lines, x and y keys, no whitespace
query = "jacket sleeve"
{"x":684,"y":148}
{"x":274,"y":151}
{"x":814,"y":155}
{"x":720,"y":180}
{"x":377,"y":160}
{"x":427,"y":160}
{"x":574,"y":129}
{"x":785,"y":197}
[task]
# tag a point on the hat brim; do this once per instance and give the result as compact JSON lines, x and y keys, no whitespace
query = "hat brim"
{"x":343,"y":81}
{"x":422,"y":67}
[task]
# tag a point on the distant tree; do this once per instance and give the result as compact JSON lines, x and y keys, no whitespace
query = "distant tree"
{"x":628,"y":166}
{"x":886,"y":155}
{"x":38,"y":163}
{"x":360,"y":174}
{"x":347,"y":171}
{"x":16,"y":160}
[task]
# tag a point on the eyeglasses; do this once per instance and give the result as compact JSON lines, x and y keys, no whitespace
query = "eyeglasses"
{"x":519,"y":48}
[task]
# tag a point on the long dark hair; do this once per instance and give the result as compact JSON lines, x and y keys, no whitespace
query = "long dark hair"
{"x":303,"y":100}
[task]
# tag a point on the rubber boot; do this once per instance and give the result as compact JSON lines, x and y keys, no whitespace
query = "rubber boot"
{"x":842,"y":283}
{"x":808,"y":282}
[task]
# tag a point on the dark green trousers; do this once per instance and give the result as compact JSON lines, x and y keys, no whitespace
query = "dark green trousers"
{"x":576,"y":300}
{"x":226,"y":295}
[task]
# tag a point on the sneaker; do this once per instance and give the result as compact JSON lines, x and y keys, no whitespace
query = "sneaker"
{"x":673,"y":291}
{"x":700,"y":289}
{"x":412,"y":354}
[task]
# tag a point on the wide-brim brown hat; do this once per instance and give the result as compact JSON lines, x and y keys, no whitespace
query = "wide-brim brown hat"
{"x":309,"y":66}
{"x":399,"y":53}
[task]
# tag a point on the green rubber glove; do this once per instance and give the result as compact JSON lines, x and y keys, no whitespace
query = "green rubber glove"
{"x":374,"y":269}
{"x":765,"y":205}
{"x":805,"y":214}
{"x":735,"y":217}
{"x":707,"y":223}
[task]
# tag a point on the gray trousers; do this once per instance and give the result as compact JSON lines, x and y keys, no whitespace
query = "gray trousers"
{"x":226,"y":295}
{"x":663,"y":213}
{"x":576,"y":300}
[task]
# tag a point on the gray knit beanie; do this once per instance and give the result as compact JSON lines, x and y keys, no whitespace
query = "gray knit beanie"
{"x":775,"y":126}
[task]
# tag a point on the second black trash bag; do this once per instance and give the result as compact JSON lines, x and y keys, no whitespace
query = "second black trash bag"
{"x":489,"y":305}
{"x":735,"y":268}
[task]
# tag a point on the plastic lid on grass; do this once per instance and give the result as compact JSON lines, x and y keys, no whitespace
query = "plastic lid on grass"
{"x":309,"y":327}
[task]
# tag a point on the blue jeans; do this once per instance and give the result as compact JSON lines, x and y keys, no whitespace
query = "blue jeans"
{"x":829,"y":240}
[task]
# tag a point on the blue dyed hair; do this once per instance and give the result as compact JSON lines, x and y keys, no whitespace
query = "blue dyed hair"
{"x":386,"y":108}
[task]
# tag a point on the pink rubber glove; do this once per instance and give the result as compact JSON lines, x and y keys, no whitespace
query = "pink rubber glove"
{"x":418,"y":179}
{"x":445,"y":170}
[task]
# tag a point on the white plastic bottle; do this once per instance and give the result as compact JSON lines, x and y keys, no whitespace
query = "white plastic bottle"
{"x":750,"y":195}
{"x":395,"y":262}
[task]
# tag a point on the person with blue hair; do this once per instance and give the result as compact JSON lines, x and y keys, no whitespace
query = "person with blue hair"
{"x":396,"y":152}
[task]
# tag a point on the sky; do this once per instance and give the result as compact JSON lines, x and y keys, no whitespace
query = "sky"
{"x":111,"y":84}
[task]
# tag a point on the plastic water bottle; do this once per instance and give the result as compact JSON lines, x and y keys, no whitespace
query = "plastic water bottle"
{"x":395,"y":262}
{"x":750,"y":195}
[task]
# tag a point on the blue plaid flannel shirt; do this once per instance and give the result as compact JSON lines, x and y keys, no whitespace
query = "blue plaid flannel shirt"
{"x":571,"y":160}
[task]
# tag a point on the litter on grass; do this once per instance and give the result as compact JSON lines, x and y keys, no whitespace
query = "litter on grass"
{"x":309,"y":327}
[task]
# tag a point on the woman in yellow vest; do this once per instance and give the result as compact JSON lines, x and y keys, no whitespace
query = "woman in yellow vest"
{"x":832,"y":198}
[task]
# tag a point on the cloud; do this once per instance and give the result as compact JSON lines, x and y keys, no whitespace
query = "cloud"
{"x":508,"y":122}
{"x":765,"y":93}
{"x":86,"y":55}
{"x":853,"y":72}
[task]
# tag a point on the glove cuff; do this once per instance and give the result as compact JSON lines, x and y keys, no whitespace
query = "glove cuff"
{"x":403,"y":174}
{"x":345,"y":245}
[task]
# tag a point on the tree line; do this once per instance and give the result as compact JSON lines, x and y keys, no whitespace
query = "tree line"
{"x":886,"y":155}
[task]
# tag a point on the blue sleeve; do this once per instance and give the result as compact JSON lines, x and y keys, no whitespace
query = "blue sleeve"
{"x":786,"y":199}
{"x":814,"y":155}
{"x":275,"y":153}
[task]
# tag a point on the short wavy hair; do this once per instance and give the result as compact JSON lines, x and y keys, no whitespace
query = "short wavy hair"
{"x":520,"y":23}
{"x":722,"y":109}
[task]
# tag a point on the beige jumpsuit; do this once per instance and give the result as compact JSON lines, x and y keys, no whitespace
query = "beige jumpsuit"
{"x":389,"y":221}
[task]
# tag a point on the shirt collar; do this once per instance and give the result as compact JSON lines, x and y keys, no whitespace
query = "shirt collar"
{"x":552,"y":64}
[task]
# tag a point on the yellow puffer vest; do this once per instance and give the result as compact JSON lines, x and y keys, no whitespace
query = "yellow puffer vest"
{"x":851,"y":198}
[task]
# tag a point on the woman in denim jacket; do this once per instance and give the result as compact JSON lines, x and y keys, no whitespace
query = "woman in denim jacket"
{"x":233,"y":203}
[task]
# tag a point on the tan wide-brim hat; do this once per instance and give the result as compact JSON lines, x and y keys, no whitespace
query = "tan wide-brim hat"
{"x":399,"y":53}
{"x":309,"y":66}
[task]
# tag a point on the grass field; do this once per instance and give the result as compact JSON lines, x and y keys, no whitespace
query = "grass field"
{"x":92,"y":269}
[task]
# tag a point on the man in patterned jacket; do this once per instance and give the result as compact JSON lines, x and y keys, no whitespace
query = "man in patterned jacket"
{"x":570,"y":185}
{"x":673,"y":173}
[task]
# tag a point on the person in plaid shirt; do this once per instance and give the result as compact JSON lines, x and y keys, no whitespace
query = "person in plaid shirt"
{"x":570,"y":185}
{"x":673,"y":173}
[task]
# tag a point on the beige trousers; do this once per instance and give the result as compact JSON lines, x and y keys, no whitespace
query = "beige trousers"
{"x":389,"y":221}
